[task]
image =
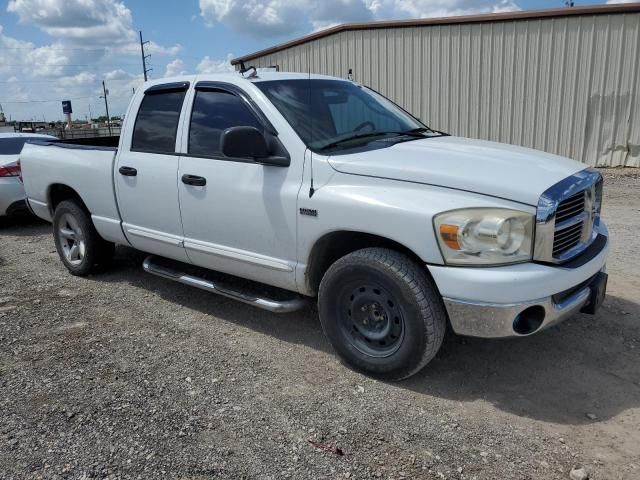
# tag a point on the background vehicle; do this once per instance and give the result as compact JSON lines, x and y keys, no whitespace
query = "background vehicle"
{"x":321,"y":187}
{"x":12,"y":196}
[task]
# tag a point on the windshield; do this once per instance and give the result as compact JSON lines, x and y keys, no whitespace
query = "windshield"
{"x":335,"y":114}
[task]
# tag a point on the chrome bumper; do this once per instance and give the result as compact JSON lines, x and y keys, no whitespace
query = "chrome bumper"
{"x":490,"y":320}
{"x":495,"y":302}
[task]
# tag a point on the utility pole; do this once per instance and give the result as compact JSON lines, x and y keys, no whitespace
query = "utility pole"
{"x":106,"y":106}
{"x":145,"y":70}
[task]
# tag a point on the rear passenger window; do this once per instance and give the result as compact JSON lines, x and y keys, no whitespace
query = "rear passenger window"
{"x":213,"y":112}
{"x":157,"y":122}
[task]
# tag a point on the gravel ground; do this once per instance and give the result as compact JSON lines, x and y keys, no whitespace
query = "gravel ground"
{"x":125,"y":375}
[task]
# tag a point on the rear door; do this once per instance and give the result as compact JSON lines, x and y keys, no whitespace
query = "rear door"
{"x":146,"y":173}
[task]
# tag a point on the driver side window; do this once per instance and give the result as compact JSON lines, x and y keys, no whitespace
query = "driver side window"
{"x":354,"y":115}
{"x":213,"y":112}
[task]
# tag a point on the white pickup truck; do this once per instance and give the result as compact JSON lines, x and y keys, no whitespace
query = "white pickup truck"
{"x":313,"y":186}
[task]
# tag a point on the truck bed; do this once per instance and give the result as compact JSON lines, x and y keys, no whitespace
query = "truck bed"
{"x":49,"y":167}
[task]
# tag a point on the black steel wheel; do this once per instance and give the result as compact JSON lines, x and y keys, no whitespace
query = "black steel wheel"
{"x":373,"y":322}
{"x":382,"y":313}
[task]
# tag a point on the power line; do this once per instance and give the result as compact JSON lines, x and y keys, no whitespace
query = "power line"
{"x":52,"y":83}
{"x":70,"y":64}
{"x":49,"y":101}
{"x":97,"y":49}
{"x":42,"y":101}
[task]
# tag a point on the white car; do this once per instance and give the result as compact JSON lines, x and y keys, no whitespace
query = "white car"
{"x":323,"y":188}
{"x":12,"y":196}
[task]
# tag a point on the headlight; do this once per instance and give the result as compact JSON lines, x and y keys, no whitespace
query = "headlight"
{"x":485,"y":236}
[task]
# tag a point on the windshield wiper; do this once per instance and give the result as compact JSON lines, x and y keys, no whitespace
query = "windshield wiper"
{"x":415,"y":133}
{"x":354,"y":137}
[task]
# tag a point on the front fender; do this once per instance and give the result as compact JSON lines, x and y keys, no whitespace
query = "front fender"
{"x":399,"y":211}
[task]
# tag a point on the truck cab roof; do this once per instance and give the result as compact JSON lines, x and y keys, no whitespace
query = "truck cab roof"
{"x":238,"y":79}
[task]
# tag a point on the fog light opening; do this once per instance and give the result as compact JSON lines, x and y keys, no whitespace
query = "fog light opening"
{"x":529,"y":320}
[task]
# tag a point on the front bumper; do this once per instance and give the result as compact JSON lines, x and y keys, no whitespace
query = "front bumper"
{"x":492,"y":302}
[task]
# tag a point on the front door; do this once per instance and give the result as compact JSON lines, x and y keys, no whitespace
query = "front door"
{"x":239,"y":217}
{"x":146,"y":175}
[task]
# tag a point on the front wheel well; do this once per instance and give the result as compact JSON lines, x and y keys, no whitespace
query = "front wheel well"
{"x":336,"y":245}
{"x":59,"y":192}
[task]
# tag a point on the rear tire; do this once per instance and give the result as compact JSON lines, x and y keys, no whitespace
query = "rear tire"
{"x":79,"y":245}
{"x":382,"y":313}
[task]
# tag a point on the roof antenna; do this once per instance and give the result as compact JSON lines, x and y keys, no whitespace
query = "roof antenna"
{"x":350,"y":75}
{"x":244,"y":69}
{"x":311,"y":189}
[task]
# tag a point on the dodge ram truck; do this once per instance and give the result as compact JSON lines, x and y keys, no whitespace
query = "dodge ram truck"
{"x":275,"y":188}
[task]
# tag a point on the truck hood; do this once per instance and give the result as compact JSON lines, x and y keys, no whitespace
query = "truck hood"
{"x":489,"y":168}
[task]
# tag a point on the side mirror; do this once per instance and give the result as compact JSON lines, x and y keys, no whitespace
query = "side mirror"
{"x":244,"y":142}
{"x":249,"y":142}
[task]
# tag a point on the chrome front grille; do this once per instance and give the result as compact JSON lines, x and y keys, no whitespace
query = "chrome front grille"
{"x":570,"y":207}
{"x":569,"y":223}
{"x":567,"y":216}
{"x":567,"y":238}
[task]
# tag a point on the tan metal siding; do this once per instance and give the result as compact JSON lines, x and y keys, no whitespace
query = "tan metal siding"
{"x":566,"y":85}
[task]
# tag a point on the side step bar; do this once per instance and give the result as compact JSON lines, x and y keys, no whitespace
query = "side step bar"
{"x":276,"y":306}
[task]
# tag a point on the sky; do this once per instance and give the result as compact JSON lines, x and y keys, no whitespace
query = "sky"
{"x":54,"y":50}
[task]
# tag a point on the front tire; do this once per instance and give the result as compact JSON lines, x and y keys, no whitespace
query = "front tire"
{"x":381,"y":313}
{"x":79,"y":245}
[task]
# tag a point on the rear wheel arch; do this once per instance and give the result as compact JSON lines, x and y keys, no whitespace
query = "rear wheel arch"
{"x":59,"y":192}
{"x":334,"y":245}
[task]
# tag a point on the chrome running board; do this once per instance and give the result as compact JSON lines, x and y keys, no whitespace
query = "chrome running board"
{"x":276,"y":306}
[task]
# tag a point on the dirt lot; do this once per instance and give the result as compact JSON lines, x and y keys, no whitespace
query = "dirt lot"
{"x":125,"y":375}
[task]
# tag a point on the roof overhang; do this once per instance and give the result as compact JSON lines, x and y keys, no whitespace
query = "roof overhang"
{"x":425,"y":22}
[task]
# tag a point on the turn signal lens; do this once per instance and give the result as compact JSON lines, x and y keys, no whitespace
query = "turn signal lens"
{"x":449,"y":235}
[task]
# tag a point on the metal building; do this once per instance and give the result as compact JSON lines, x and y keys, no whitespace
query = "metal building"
{"x":563,"y":80}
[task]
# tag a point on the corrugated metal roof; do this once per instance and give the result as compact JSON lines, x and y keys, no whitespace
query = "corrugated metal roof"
{"x":463,"y":19}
